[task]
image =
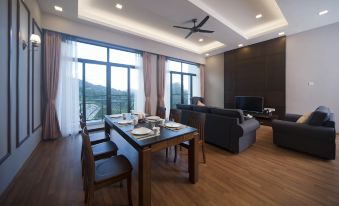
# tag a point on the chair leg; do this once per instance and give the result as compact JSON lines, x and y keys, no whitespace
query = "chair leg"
{"x":203,"y":152}
{"x":129,"y":189}
{"x":84,"y":187}
{"x":86,"y":196}
{"x":82,"y":168}
{"x":175,"y":153}
{"x":90,"y":197}
{"x":166,"y":152}
{"x":86,"y":192}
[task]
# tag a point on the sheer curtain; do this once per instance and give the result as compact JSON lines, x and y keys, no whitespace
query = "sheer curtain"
{"x":139,"y":100}
{"x":67,"y":102}
{"x":167,"y":95}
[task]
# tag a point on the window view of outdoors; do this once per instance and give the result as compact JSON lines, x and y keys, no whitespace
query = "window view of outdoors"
{"x":184,"y":82}
{"x":94,"y":99}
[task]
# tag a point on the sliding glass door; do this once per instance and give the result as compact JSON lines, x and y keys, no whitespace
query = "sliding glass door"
{"x":120,"y":99}
{"x":105,"y":81}
{"x":184,"y":82}
{"x":181,"y":88}
{"x":95,"y":91}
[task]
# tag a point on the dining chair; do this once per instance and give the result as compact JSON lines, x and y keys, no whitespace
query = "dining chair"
{"x":175,"y":115}
{"x":195,"y":120}
{"x":104,"y":172}
{"x":95,"y":137}
{"x":161,"y":112}
{"x":100,"y":151}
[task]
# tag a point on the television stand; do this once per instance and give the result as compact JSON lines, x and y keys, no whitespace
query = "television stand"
{"x":264,"y":119}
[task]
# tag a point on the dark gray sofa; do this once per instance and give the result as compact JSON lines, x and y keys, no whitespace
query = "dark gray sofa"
{"x":225,"y":128}
{"x":315,"y":137}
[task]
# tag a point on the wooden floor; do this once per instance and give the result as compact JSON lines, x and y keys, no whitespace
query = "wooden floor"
{"x":262,"y":175}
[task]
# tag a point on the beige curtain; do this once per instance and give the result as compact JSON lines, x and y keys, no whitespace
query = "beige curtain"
{"x":202,"y":80}
{"x":52,"y":49}
{"x":161,"y":81}
{"x":147,"y":69}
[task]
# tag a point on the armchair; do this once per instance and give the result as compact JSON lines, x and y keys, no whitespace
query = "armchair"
{"x":318,"y":140}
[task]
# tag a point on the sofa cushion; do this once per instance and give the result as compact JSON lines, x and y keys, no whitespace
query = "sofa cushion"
{"x":234,"y":113}
{"x":199,"y":103}
{"x":319,"y":116}
{"x":330,"y":122}
{"x":184,"y":106}
{"x":304,"y":119}
{"x":203,"y":109}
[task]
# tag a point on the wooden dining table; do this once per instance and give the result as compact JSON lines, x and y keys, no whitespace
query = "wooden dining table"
{"x":147,"y":146}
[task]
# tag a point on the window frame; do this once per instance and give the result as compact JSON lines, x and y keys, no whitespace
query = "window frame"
{"x":182,"y":74}
{"x":109,"y":66}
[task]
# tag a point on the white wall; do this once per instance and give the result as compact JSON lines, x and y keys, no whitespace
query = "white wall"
{"x":313,"y":56}
{"x":214,"y":81}
{"x":100,"y":33}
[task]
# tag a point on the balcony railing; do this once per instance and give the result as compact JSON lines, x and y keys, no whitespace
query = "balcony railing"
{"x":96,"y":106}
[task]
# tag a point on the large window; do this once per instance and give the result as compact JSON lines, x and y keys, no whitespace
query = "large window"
{"x":183,"y":82}
{"x":106,"y":80}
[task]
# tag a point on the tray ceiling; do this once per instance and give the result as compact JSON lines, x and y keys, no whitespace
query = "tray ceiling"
{"x":234,"y":21}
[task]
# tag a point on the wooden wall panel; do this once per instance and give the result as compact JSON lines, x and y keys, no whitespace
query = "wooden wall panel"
{"x":257,"y":70}
{"x":36,"y":80}
{"x":23,"y":73}
{"x":5,"y":57}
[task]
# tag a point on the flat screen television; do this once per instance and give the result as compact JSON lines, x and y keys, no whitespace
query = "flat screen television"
{"x":250,"y":103}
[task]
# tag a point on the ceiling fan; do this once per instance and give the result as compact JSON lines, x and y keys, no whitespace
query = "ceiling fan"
{"x":196,"y":28}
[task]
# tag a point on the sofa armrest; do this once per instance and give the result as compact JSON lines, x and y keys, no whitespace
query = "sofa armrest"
{"x":304,"y":130}
{"x":247,"y":126}
{"x":292,"y":117}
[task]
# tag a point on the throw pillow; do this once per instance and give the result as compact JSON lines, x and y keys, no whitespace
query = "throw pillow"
{"x":319,"y":116}
{"x":199,"y":103}
{"x":304,"y":119}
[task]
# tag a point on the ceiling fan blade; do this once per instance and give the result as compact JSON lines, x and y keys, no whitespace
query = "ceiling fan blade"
{"x":205,"y":31}
{"x":203,"y":22}
{"x":181,"y":27}
{"x":189,"y":34}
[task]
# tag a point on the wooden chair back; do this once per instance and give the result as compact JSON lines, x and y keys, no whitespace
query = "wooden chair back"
{"x":197,"y":120}
{"x":88,"y":159}
{"x":161,"y":112}
{"x":175,"y":115}
{"x":82,"y":121}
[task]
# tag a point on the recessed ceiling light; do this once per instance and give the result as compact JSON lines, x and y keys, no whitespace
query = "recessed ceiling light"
{"x":258,"y":16}
{"x":201,"y":40}
{"x":58,"y":8}
{"x":281,"y":33}
{"x":207,"y":55}
{"x":240,"y":45}
{"x":323,"y":12}
{"x":118,"y":6}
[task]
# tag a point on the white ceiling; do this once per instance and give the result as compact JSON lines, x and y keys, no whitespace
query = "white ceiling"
{"x":233,"y":21}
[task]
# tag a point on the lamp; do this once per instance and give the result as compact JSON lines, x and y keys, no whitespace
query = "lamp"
{"x":34,"y":39}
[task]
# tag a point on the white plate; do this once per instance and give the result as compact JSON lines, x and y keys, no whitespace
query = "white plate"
{"x":141,"y":131}
{"x":172,"y":124}
{"x":154,"y":118}
{"x":116,"y":115}
{"x":125,"y":122}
